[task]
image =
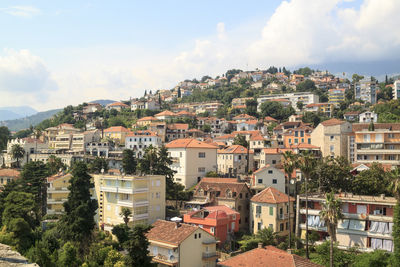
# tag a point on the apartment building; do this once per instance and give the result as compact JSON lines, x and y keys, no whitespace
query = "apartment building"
{"x":117,"y":106}
{"x":138,"y":141}
{"x":8,"y":175}
{"x":57,"y":192}
{"x":396,"y":89}
{"x":324,"y":108}
{"x":298,"y":135}
{"x":367,"y":220}
{"x":218,"y":126}
{"x":145,"y":104}
{"x":336,"y":96}
{"x":238,"y":102}
{"x":145,"y":121}
{"x":51,"y":133}
{"x":380,"y":144}
{"x":224,"y":191}
{"x":117,"y":134}
{"x":366,"y":91}
{"x":79,"y":141}
{"x":331,"y":137}
{"x":220,"y":221}
{"x":143,"y":195}
{"x":304,"y":97}
{"x":31,"y":146}
{"x":269,"y":209}
{"x":176,"y":131}
{"x":180,"y":244}
{"x":268,"y":176}
{"x":233,"y":160}
{"x":368,"y":117}
{"x":165,"y":115}
{"x":192,"y":159}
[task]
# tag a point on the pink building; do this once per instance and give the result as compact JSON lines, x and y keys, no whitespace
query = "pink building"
{"x":220,"y":221}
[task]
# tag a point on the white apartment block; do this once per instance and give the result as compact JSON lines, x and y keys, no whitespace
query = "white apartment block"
{"x":140,"y":140}
{"x":305,"y":97}
{"x":143,"y":195}
{"x":396,"y":89}
{"x":192,"y":159}
{"x":365,"y":90}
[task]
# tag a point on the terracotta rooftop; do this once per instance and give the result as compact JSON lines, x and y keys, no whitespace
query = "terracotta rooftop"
{"x":58,"y":176}
{"x":189,"y":143}
{"x":268,"y":118}
{"x":148,"y":118}
{"x":165,"y":113}
{"x":243,"y":116}
{"x":271,"y":195}
{"x":224,"y":208}
{"x":117,"y":104}
{"x":223,"y":185}
{"x":178,"y":126}
{"x":9,"y":173}
{"x":167,"y":232}
{"x":378,"y":126}
{"x":267,"y":257}
{"x":332,"y":122}
{"x":234,"y":149}
{"x":116,"y":129}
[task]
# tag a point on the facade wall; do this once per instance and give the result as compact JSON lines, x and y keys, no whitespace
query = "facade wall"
{"x":192,"y":249}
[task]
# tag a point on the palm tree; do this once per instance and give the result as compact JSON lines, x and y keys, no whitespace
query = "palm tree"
{"x":125,"y":213}
{"x":331,"y":214}
{"x":307,"y":164}
{"x":394,"y":176}
{"x":17,"y":152}
{"x":289,"y":165}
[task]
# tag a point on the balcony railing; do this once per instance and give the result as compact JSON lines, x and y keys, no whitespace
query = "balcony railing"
{"x":169,"y":259}
{"x":56,"y":200}
{"x":207,"y":255}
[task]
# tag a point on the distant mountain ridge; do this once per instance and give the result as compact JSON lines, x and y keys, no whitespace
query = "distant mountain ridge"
{"x":11,"y":113}
{"x":103,"y":102}
{"x":24,"y":123}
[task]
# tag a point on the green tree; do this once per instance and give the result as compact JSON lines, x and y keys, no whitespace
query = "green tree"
{"x":20,"y":205}
{"x":306,"y":163}
{"x":17,"y":152}
{"x":312,"y":117}
{"x":125,"y":213}
{"x":340,"y":257}
{"x":128,"y":161}
{"x":306,"y":86}
{"x":331,"y":214}
{"x":41,"y":255}
{"x":300,"y":105}
{"x":4,"y":136}
{"x":240,"y":140}
{"x":266,"y":236}
{"x":373,"y":181}
{"x":179,"y":92}
{"x":113,"y":257}
{"x":68,"y":256}
{"x":356,"y":78}
{"x":211,"y":174}
{"x":394,"y":178}
{"x":98,"y":165}
{"x":121,"y":231}
{"x":137,"y":245}
{"x":54,"y":164}
{"x":206,"y":128}
{"x":375,"y":258}
{"x":77,"y":223}
{"x":21,"y":234}
{"x":276,"y":110}
{"x":251,"y":107}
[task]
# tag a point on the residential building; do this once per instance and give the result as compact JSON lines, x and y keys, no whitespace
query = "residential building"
{"x":271,"y":156}
{"x":7,"y":176}
{"x":176,"y":131}
{"x":91,"y":108}
{"x":165,"y":115}
{"x":117,"y":134}
{"x":180,"y":244}
{"x":269,"y":209}
{"x":336,"y":96}
{"x":268,"y":176}
{"x":159,"y":127}
{"x":366,"y":91}
{"x":117,"y":106}
{"x":324,"y":108}
{"x":243,"y":118}
{"x":57,"y":192}
{"x":380,"y":144}
{"x":145,"y":121}
{"x":304,"y":97}
{"x":240,"y":101}
{"x":234,"y":161}
{"x":79,"y":141}
{"x":268,"y":256}
{"x":396,"y":89}
{"x":249,"y":125}
{"x":192,"y":159}
{"x":351,"y":116}
{"x":98,"y":149}
{"x":51,"y":133}
{"x":368,"y":117}
{"x":138,"y":141}
{"x":145,"y":104}
{"x":224,"y":191}
{"x":331,"y":137}
{"x":298,"y":135}
{"x":218,"y":126}
{"x":143,"y":195}
{"x":220,"y":221}
{"x":367,"y":220}
{"x":31,"y":147}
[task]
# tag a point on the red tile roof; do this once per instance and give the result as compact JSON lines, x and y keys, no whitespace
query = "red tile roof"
{"x":224,"y":208}
{"x":221,"y":184}
{"x":117,"y":104}
{"x":268,"y":118}
{"x":9,"y":173}
{"x":165,"y":113}
{"x":167,"y":232}
{"x":116,"y":129}
{"x":332,"y":122}
{"x":148,"y":118}
{"x":271,"y":195}
{"x":58,"y":176}
{"x":189,"y":143}
{"x":243,"y":116}
{"x":267,"y":257}
{"x":178,"y":126}
{"x":234,"y":149}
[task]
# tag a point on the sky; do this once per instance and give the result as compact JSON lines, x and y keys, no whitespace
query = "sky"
{"x":57,"y":53}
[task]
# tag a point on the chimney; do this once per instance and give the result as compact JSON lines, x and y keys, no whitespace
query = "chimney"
{"x":260,"y":245}
{"x":382,"y":196}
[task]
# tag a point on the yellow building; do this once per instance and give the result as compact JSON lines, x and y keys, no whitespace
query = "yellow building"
{"x":117,"y":134}
{"x":233,"y":161}
{"x":269,"y":209}
{"x":57,"y":192}
{"x":180,"y":244}
{"x":145,"y":121}
{"x":143,"y":195}
{"x":8,"y":175}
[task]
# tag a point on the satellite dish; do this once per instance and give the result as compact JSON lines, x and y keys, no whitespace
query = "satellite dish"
{"x":176,"y":219}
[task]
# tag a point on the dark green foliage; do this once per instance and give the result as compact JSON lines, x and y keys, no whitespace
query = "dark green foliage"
{"x":313,"y":118}
{"x":41,"y":255}
{"x":97,"y":165}
{"x":388,"y":112}
{"x":137,"y":245}
{"x":251,"y":107}
{"x":21,"y":233}
{"x":240,"y":140}
{"x":54,"y":164}
{"x":20,"y":205}
{"x":396,"y":235}
{"x":4,"y":136}
{"x":265,"y":236}
{"x":211,"y":174}
{"x":276,"y":110}
{"x":121,"y":231}
{"x":23,"y":133}
{"x":375,"y":258}
{"x":306,"y":71}
{"x":128,"y":161}
{"x":371,"y":182}
{"x":306,"y":86}
{"x":68,"y":256}
{"x":340,"y":257}
{"x":77,"y":223}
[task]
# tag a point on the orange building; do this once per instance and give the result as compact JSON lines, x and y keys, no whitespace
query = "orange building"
{"x":299,"y":135}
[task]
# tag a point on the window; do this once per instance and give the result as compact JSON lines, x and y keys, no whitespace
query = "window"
{"x":199,"y":235}
{"x":260,"y":181}
{"x":274,"y":181}
{"x":271,"y":211}
{"x":239,"y":208}
{"x":302,"y":134}
{"x":391,"y":135}
{"x":258,"y":209}
{"x":180,"y":154}
{"x":332,"y":148}
{"x":259,"y":226}
{"x":281,"y":227}
{"x":273,"y":161}
{"x":270,"y":171}
{"x":195,"y":236}
{"x":240,"y":195}
{"x":331,"y":138}
{"x":158,"y":194}
{"x":202,"y":154}
{"x":158,"y":183}
{"x":270,"y":226}
{"x":287,"y":226}
{"x":202,"y":169}
{"x":212,"y":229}
{"x":309,"y":141}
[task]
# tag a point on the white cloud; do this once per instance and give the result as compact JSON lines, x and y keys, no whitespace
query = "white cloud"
{"x":21,"y":11}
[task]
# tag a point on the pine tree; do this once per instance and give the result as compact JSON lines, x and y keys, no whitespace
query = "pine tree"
{"x":179,"y":92}
{"x":137,"y":247}
{"x":78,"y":221}
{"x":128,"y":161}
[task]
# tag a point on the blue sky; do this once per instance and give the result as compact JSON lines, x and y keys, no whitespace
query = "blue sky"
{"x":54,"y":53}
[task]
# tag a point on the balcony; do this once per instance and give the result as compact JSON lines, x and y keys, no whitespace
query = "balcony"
{"x":208,"y":255}
{"x":125,"y":203}
{"x":110,"y":189}
{"x":141,"y":203}
{"x":316,"y":228}
{"x":141,"y":190}
{"x":141,"y":216}
{"x":170,"y":260}
{"x":310,"y":211}
{"x":284,"y":216}
{"x":56,"y":200}
{"x":57,"y":190}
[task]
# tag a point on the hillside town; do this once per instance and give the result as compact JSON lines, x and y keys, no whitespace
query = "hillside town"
{"x":246,"y":168}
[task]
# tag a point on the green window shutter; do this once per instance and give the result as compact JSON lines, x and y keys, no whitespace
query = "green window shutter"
{"x":271,"y":210}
